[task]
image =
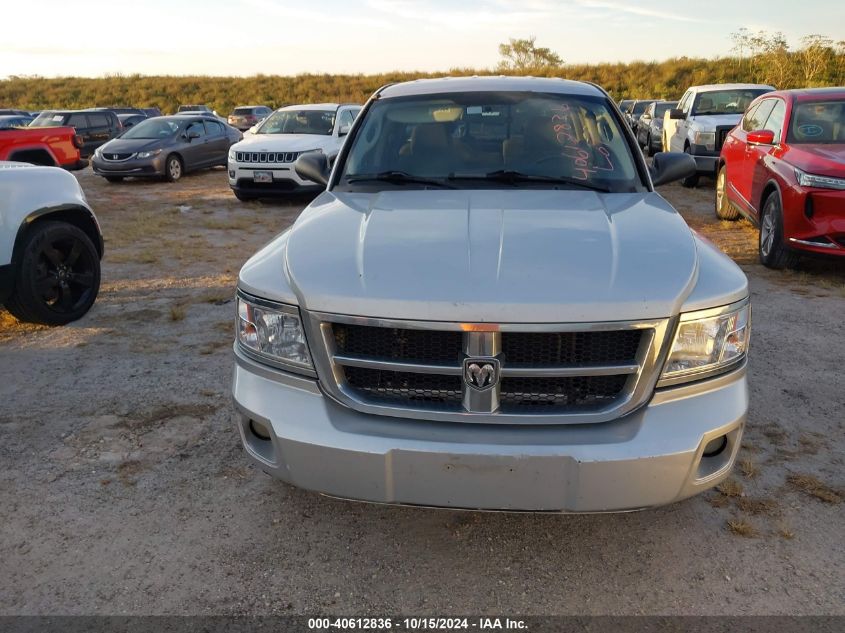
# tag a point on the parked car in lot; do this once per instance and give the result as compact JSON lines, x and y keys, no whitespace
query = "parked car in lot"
{"x":194,"y":108}
{"x":14,"y":120}
{"x":244,"y":117}
{"x":50,"y":245}
{"x":130,"y":120}
{"x":783,"y":168}
{"x":7,"y":112}
{"x":636,"y":110}
{"x":650,"y":125}
{"x":95,"y":127}
{"x":262,"y":164}
{"x":702,"y":120}
{"x":53,"y":147}
{"x":490,"y":307}
{"x":166,"y":146}
{"x":625,"y":104}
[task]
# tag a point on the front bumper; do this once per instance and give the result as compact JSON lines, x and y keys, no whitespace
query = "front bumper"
{"x":706,"y":160}
{"x":651,"y":457}
{"x":285,"y":180}
{"x":142,"y":168}
{"x":814,"y":220}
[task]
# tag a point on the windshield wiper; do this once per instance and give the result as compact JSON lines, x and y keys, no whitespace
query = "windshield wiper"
{"x":399,"y":178}
{"x":512,"y":177}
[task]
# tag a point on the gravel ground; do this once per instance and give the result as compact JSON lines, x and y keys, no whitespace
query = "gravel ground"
{"x":124,"y":488}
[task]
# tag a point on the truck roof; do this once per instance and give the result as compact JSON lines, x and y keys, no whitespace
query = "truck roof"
{"x":718,"y":87}
{"x":501,"y":83}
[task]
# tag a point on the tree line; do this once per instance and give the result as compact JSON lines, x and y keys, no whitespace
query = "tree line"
{"x":757,"y":57}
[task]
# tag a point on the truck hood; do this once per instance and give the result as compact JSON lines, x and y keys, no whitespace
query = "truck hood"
{"x":282,"y":142}
{"x":709,"y":122}
{"x":492,"y":256}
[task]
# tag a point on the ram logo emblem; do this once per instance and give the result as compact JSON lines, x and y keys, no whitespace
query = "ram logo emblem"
{"x":481,"y":373}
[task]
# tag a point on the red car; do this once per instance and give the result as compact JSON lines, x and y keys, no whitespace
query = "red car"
{"x":783,"y":167}
{"x":53,"y":147}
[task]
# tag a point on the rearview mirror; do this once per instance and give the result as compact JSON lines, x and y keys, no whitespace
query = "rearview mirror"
{"x":313,"y":166}
{"x":761,"y":137}
{"x":674,"y":113}
{"x":671,"y":166}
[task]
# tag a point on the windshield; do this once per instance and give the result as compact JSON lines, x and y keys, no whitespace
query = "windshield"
{"x":726,"y":101}
{"x":152,"y":129}
{"x":48,"y":119}
{"x":640,"y":106}
{"x":299,"y":122}
{"x":818,"y":122}
{"x":661,"y":108}
{"x":477,"y":139}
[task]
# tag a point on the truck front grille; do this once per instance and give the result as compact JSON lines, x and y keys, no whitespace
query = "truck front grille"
{"x":543,"y":374}
{"x":266,"y":157}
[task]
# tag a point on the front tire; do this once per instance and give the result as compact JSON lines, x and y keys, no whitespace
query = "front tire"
{"x":724,"y":209}
{"x":689,"y":181}
{"x":173,"y":168}
{"x":772,"y":250}
{"x":58,"y":276}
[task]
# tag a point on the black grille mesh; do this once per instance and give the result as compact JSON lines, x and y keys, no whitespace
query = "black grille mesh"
{"x":570,"y":348}
{"x":559,"y":394}
{"x":413,"y":346}
{"x":406,"y":389}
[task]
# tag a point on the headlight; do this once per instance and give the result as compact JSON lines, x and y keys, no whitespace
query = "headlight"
{"x":273,"y":332}
{"x":98,"y":152}
{"x":231,"y":154}
{"x":823,"y":182}
{"x":149,"y":154}
{"x":708,"y":139}
{"x":708,"y":342}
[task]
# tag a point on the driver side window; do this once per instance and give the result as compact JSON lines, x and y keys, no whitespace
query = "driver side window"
{"x":196,"y":128}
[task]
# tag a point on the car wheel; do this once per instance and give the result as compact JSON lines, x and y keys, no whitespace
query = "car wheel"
{"x":773,"y":252}
{"x":58,"y":275}
{"x":689,"y":181}
{"x":725,"y":210}
{"x":244,"y":197}
{"x":173,"y":168}
{"x":114,"y":178}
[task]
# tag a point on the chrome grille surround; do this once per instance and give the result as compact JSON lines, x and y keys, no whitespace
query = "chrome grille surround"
{"x":637,"y":376}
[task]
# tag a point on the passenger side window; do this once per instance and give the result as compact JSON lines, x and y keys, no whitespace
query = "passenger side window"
{"x":195,"y":128}
{"x":214,"y":128}
{"x":775,"y":120}
{"x":98,"y":120}
{"x":686,"y":103}
{"x":757,"y":118}
{"x":78,"y":121}
{"x":345,"y":119}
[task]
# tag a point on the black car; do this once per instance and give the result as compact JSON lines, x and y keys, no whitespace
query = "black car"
{"x":650,"y":126}
{"x":636,"y":110}
{"x":96,"y":127}
{"x":166,"y":146}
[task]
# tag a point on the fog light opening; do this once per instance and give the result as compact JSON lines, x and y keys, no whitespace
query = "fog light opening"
{"x":714,"y":447}
{"x":259,"y":430}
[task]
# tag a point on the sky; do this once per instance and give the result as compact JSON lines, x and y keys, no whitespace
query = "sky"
{"x":284,"y":37}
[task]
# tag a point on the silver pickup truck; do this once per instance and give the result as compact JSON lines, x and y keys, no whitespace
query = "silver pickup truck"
{"x":490,"y":307}
{"x":702,"y":120}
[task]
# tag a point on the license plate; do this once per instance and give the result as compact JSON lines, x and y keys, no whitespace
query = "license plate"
{"x":262,"y":176}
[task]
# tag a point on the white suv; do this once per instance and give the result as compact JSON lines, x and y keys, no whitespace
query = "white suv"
{"x":262,"y":164}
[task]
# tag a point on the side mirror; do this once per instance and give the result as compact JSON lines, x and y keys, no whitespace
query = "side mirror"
{"x":344,"y":130}
{"x":671,"y":166}
{"x":193,"y":135}
{"x":761,"y":137}
{"x":313,"y":166}
{"x":674,"y":113}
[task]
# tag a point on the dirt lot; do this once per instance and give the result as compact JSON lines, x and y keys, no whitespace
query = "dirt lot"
{"x":124,"y":489}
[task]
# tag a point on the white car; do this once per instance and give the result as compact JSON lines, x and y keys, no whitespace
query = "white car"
{"x":702,"y":120}
{"x":50,"y":245}
{"x":262,"y":164}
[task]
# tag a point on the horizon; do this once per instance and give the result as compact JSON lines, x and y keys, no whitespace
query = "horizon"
{"x":383,"y":36}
